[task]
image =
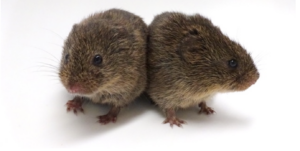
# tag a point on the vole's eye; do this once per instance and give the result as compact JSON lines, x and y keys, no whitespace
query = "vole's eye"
{"x":97,"y":60}
{"x":66,"y":58}
{"x":232,"y":63}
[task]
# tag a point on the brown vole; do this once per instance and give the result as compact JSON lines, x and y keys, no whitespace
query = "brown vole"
{"x":189,"y":60}
{"x":104,"y":59}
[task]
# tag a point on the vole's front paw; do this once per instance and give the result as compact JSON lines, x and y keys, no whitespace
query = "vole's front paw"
{"x":75,"y":105}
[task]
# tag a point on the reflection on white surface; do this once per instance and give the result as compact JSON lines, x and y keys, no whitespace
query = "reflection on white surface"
{"x":265,"y":117}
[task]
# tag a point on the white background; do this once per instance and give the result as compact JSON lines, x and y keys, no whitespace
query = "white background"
{"x":33,"y":112}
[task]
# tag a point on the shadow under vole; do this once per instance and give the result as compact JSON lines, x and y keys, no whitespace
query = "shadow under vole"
{"x":83,"y":126}
{"x":78,"y":128}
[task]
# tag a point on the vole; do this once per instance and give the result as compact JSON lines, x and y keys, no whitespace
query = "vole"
{"x":189,"y":60}
{"x":104,"y":60}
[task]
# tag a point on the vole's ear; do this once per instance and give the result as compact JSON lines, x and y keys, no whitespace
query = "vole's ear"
{"x":121,"y":38}
{"x":192,"y":47}
{"x":119,"y":32}
{"x":75,"y":26}
{"x":194,"y":32}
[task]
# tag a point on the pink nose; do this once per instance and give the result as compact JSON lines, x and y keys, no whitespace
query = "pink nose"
{"x":75,"y":89}
{"x":253,"y":81}
{"x":255,"y":78}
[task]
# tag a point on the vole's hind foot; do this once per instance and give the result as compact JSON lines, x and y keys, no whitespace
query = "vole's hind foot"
{"x":205,"y":109}
{"x":172,"y":119}
{"x":75,"y":105}
{"x":111,"y":116}
{"x":105,"y":119}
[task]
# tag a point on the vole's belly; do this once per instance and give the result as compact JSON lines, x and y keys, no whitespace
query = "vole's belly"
{"x":185,"y":103}
{"x":189,"y":103}
{"x":187,"y":100}
{"x":106,"y":98}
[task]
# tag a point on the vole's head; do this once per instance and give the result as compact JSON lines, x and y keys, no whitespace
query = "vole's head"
{"x":211,"y":57}
{"x":94,"y":57}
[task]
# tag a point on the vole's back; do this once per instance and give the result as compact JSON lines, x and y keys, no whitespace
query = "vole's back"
{"x":119,"y":17}
{"x":174,"y":26}
{"x":167,"y":31}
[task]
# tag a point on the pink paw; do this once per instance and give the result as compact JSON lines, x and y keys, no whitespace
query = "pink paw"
{"x":174,"y":121}
{"x":206,"y":111}
{"x":105,"y":119}
{"x":75,"y":105}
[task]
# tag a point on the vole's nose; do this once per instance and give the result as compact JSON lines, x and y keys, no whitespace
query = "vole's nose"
{"x":253,"y":81}
{"x":75,"y":88}
{"x":255,"y":78}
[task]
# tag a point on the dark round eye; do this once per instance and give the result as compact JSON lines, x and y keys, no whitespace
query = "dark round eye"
{"x":233,"y":63}
{"x":66,"y":58}
{"x":97,"y":60}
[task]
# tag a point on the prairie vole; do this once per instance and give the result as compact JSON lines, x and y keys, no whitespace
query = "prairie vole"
{"x":104,"y":59}
{"x":189,"y":60}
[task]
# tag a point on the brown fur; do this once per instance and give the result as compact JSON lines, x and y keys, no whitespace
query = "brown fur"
{"x":120,"y":38}
{"x":188,"y":61}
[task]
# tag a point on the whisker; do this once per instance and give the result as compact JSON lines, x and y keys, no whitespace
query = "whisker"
{"x":53,"y":81}
{"x":60,"y":46}
{"x":46,"y":69}
{"x":50,"y":59}
{"x":48,"y":65}
{"x":52,"y":77}
{"x":56,"y":59}
{"x":48,"y":74}
{"x":55,"y":33}
{"x":49,"y":71}
{"x":41,"y":68}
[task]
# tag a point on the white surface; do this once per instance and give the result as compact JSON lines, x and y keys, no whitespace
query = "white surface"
{"x":33,"y":112}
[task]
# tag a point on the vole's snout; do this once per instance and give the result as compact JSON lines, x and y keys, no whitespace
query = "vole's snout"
{"x":255,"y":78}
{"x":249,"y":80}
{"x":75,"y":88}
{"x":244,"y":82}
